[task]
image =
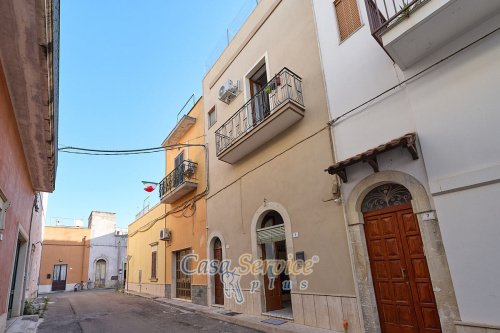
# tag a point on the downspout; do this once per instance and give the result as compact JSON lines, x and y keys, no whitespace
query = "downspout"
{"x":84,"y":239}
{"x":118,"y":260}
{"x":165,"y":260}
{"x":28,"y":255}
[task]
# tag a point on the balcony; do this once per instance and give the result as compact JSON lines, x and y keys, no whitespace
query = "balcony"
{"x":269,"y":112}
{"x":410,"y":30}
{"x":179,"y":182}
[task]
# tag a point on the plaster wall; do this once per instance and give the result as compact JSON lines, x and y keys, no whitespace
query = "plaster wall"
{"x":286,"y":171}
{"x":106,"y":244}
{"x":453,"y":110}
{"x":64,"y":245}
{"x":16,"y":187}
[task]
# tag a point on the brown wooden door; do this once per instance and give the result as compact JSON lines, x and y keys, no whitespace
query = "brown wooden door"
{"x":218,"y":286}
{"x":59,"y":277}
{"x":273,"y":295}
{"x":403,"y":288}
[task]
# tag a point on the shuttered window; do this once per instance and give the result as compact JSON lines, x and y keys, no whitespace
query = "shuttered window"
{"x":347,"y":17}
{"x":153,"y":265}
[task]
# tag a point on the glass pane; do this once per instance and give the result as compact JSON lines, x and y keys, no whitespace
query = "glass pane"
{"x":57,"y":272}
{"x":63,"y":272}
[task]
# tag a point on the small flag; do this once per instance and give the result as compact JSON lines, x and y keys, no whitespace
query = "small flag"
{"x":149,"y":186}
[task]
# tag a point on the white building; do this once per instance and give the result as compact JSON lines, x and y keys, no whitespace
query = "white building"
{"x":108,"y":251}
{"x":421,"y":209}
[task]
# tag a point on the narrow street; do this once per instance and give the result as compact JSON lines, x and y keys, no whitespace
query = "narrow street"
{"x":109,"y":311}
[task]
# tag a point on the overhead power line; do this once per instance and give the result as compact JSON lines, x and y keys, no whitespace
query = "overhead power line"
{"x":108,"y":152}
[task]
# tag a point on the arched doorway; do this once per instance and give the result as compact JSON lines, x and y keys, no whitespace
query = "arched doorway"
{"x":272,"y":241}
{"x":100,"y":273}
{"x":403,"y":289}
{"x":218,"y":285}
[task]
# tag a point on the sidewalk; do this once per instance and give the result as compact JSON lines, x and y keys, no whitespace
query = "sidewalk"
{"x":239,"y":319}
{"x":23,"y":324}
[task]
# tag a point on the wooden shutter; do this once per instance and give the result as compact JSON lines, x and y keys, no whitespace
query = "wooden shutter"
{"x":153,"y":265}
{"x":347,"y":17}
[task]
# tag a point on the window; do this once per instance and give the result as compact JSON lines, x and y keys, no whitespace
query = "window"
{"x":179,"y":159}
{"x":347,"y":17}
{"x":154,"y":260}
{"x":212,"y":117}
{"x":4,"y":204}
{"x":260,"y":107}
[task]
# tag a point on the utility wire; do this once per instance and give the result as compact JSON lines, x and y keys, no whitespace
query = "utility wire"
{"x":332,"y":122}
{"x":107,"y":152}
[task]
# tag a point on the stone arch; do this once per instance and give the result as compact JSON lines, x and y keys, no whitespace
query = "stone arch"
{"x":214,"y":235}
{"x":432,"y":241}
{"x":106,"y":266}
{"x":257,"y":218}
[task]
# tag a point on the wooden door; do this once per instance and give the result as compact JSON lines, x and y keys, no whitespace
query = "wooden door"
{"x":273,"y":294}
{"x":59,"y":277}
{"x":405,"y":298}
{"x":218,"y":285}
{"x":100,"y":273}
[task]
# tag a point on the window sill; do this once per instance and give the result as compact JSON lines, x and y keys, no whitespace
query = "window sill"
{"x":153,"y":280}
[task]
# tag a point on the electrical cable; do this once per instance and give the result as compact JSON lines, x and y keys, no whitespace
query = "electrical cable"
{"x":332,"y":122}
{"x":106,"y":152}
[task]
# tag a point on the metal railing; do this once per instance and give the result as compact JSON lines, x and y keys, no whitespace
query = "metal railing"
{"x":186,"y":171}
{"x":382,"y":14}
{"x":285,"y":86}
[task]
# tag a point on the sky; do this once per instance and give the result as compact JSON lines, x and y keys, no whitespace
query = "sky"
{"x":126,"y":70}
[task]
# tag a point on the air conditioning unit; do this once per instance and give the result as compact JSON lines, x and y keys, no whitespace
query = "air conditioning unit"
{"x":228,"y":91}
{"x":165,"y":234}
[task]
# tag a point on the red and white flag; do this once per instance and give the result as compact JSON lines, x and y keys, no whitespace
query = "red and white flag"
{"x":149,"y":186}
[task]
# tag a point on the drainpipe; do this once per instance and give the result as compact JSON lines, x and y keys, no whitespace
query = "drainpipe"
{"x":118,"y":260}
{"x":28,"y":250}
{"x":84,"y":239}
{"x":165,"y":259}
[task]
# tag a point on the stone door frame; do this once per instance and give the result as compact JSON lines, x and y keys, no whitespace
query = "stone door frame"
{"x":433,"y":248}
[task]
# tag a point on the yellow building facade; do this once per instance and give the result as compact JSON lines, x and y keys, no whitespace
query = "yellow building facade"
{"x":176,"y":226}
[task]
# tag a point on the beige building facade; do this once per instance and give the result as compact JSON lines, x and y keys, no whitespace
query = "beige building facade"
{"x":269,"y":197}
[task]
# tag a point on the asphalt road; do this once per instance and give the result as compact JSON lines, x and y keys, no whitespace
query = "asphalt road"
{"x":111,"y":312}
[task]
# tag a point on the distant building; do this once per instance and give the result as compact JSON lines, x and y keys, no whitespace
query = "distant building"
{"x":108,"y":250}
{"x":29,"y":57}
{"x":72,"y":254}
{"x":65,"y":258}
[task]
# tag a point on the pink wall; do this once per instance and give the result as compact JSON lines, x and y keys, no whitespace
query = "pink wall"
{"x":15,"y":183}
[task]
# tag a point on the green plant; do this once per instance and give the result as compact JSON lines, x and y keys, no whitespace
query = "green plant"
{"x":28,"y":308}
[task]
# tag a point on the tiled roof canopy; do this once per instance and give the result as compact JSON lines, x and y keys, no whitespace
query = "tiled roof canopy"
{"x":407,"y":141}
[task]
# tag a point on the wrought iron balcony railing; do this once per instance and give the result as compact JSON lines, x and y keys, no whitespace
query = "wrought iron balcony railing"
{"x":184,"y":172}
{"x":285,"y":86}
{"x":382,"y":14}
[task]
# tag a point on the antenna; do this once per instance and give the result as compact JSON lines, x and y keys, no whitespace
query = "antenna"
{"x":190,"y":98}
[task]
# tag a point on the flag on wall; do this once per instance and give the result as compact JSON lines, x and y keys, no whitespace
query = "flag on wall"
{"x":149,"y":186}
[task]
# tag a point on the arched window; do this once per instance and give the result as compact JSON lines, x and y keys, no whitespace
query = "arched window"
{"x":384,"y":196}
{"x":217,"y":243}
{"x":272,"y":228}
{"x":271,"y":219}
